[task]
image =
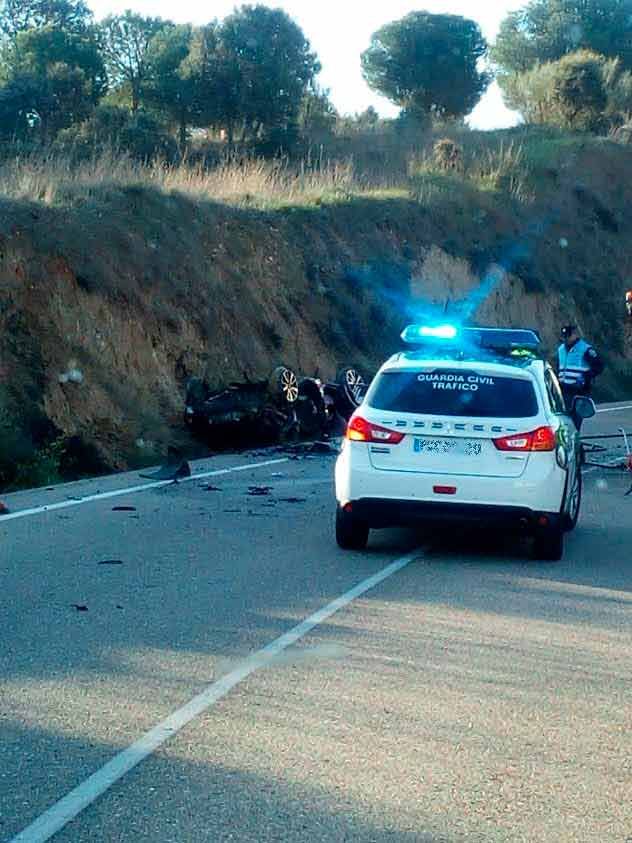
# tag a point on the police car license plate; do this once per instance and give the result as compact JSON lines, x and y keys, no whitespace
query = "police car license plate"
{"x":436,"y":446}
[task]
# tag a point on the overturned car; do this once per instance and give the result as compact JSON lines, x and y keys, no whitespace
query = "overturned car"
{"x":282,"y":406}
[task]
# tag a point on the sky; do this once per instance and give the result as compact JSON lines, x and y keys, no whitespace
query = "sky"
{"x":339,"y":31}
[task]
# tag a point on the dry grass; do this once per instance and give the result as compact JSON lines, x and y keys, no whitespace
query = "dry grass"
{"x":502,"y":168}
{"x":55,"y":180}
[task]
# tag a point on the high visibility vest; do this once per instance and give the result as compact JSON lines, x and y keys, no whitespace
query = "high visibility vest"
{"x":573,"y":367}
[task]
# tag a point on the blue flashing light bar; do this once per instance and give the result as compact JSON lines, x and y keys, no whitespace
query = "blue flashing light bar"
{"x":418,"y":333}
{"x":491,"y":339}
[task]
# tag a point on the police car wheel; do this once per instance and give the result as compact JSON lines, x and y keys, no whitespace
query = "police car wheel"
{"x":351,"y":533}
{"x":573,"y":503}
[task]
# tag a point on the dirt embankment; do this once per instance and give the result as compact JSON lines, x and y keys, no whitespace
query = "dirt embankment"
{"x":108,"y":306}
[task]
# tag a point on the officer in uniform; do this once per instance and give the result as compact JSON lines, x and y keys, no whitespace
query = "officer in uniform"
{"x":578,"y":364}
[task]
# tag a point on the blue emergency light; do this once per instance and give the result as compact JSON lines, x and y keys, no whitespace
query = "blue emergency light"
{"x":417,"y":334}
{"x":500,"y":340}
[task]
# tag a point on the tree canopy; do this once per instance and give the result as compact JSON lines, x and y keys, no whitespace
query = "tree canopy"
{"x":581,"y":91}
{"x":270,"y":66}
{"x":125,"y":41}
{"x":428,"y":63}
{"x":546,"y":30}
{"x":73,"y":16}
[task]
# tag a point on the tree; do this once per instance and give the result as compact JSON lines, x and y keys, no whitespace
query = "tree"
{"x":429,"y":64}
{"x":546,"y":30}
{"x":36,"y":50}
{"x":125,"y":41}
{"x":52,"y":78}
{"x":269,"y":64}
{"x":579,"y":90}
{"x":72,"y":16}
{"x":211,"y":76}
{"x":17,"y":97}
{"x":171,"y":86}
{"x":39,"y":106}
{"x":318,"y":116}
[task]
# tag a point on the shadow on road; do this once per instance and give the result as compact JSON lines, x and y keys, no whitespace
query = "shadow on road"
{"x":168,"y":798}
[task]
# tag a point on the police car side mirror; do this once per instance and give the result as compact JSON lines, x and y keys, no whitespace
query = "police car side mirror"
{"x":584,"y":407}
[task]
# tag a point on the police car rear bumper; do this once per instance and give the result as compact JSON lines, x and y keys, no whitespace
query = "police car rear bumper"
{"x":386,"y":512}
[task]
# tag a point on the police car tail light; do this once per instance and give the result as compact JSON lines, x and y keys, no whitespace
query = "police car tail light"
{"x":360,"y":430}
{"x":542,"y":439}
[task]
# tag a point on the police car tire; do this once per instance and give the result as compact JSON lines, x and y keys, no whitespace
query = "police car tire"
{"x":548,"y":546}
{"x":351,"y":533}
{"x":570,"y":522}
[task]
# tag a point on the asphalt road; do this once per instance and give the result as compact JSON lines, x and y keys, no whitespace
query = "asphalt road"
{"x":470,"y":695}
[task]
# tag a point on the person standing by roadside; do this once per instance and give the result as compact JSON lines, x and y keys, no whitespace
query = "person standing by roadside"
{"x":578,"y":364}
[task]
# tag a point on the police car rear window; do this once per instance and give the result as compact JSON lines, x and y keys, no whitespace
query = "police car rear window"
{"x":459,"y":393}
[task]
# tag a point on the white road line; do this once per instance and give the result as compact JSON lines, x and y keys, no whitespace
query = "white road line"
{"x":615,"y":409}
{"x":71,"y":805}
{"x":133,"y":490}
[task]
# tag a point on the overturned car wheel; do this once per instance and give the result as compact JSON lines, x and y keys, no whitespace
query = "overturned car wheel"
{"x":352,"y":389}
{"x":283,"y":386}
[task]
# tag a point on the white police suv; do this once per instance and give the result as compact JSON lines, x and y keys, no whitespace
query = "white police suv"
{"x":468,"y":424}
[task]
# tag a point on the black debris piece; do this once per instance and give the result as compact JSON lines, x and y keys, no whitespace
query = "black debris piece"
{"x":293,"y":500}
{"x":170,"y":471}
{"x":307,"y":448}
{"x":111,"y":562}
{"x":80,"y":607}
{"x":123,"y":509}
{"x":211,"y":488}
{"x":259,"y":491}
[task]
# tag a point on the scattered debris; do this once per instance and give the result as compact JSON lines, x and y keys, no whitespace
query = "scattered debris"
{"x":123,"y":509}
{"x":293,"y":500}
{"x":305,"y":448}
{"x":111,"y":562}
{"x":80,"y":607}
{"x":210,"y":488}
{"x":259,"y":491}
{"x":174,"y":469}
